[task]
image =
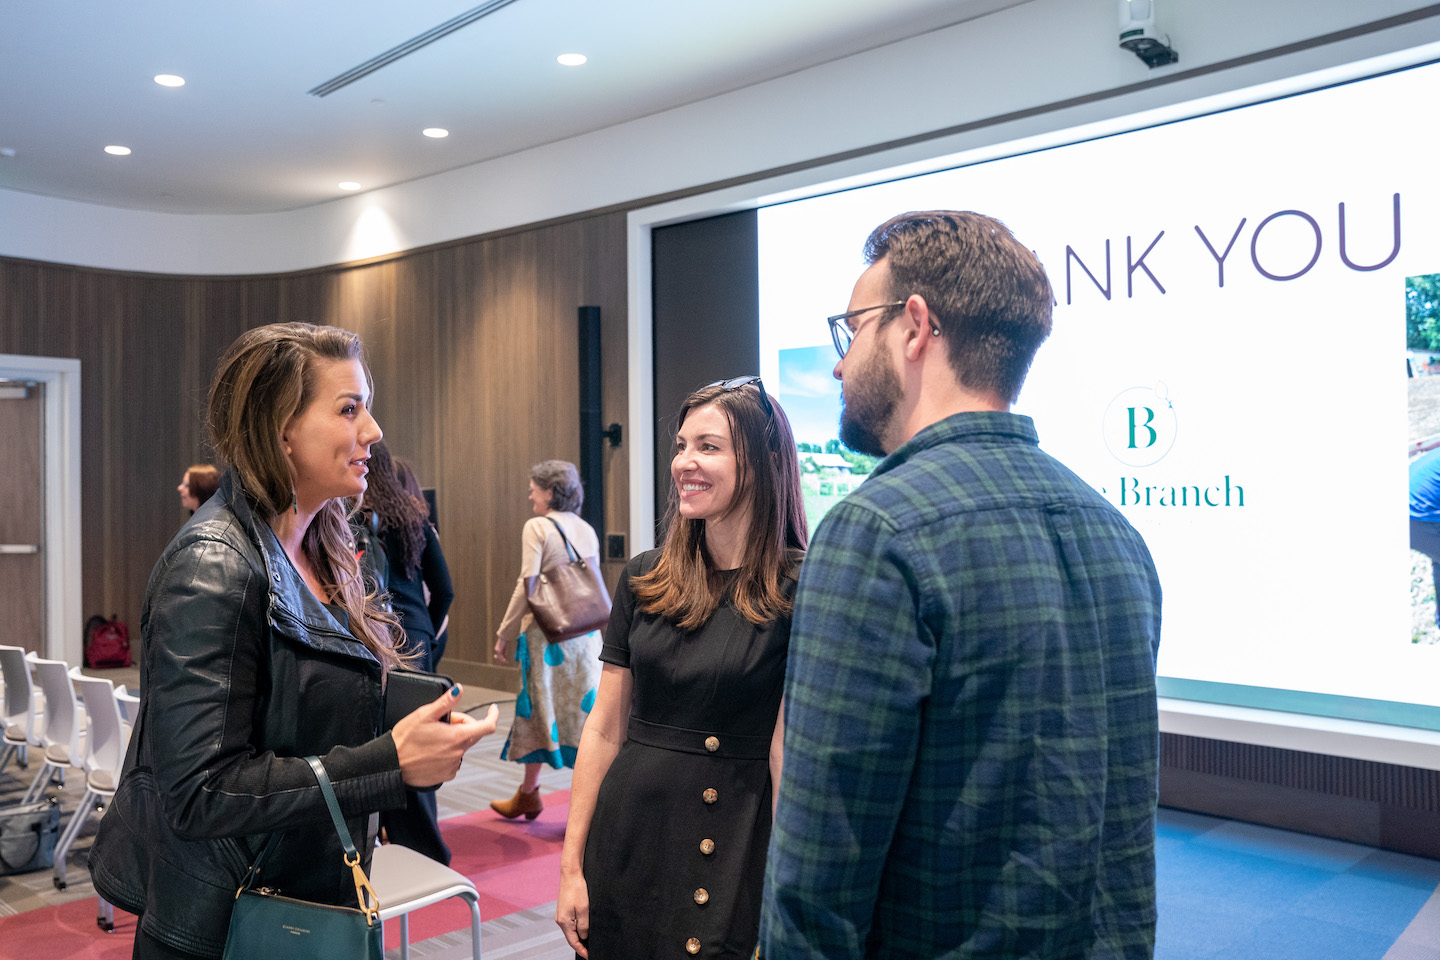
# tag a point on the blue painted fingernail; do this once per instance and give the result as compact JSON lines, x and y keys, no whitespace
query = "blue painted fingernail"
{"x":455,"y":690}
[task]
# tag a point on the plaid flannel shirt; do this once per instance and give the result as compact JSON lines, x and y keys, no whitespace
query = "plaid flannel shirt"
{"x":971,"y":727}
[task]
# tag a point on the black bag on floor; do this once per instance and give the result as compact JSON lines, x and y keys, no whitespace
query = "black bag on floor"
{"x":28,"y":833}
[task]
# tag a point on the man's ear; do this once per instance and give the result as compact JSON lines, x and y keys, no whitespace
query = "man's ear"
{"x":917,"y":326}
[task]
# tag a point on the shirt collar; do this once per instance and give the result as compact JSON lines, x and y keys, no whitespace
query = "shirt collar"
{"x":288,"y":592}
{"x":963,"y":428}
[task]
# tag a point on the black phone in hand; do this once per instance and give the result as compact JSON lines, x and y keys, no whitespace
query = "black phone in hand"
{"x":408,"y":690}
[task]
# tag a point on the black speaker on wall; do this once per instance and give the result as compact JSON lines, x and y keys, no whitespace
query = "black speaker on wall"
{"x":592,"y":434}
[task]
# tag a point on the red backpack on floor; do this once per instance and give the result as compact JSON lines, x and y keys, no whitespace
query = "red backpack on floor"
{"x":107,"y":643}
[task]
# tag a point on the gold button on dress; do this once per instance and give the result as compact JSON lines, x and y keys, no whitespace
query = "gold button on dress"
{"x":692,"y":946}
{"x":712,"y":744}
{"x":710,"y":795}
{"x":702,"y":896}
{"x":707,"y":846}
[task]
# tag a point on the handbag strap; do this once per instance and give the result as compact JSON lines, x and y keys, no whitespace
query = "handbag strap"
{"x":364,"y":893}
{"x":328,"y":792}
{"x":570,"y":550}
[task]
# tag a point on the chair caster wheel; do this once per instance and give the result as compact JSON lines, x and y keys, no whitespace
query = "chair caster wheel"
{"x":105,"y":925}
{"x":59,"y":884}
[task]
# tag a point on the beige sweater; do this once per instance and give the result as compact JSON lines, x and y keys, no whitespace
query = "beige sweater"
{"x":540,"y":549}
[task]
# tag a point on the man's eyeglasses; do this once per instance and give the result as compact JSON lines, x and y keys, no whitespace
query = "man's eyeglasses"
{"x":840,"y":331}
{"x":735,"y":383}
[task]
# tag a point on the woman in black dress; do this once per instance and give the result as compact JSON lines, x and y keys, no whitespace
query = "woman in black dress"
{"x":672,"y":798}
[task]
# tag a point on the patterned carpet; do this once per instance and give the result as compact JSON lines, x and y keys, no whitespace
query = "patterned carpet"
{"x":528,"y":934}
{"x":1226,"y":890}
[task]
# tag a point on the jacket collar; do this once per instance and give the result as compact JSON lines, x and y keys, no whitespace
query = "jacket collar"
{"x":294,"y":610}
{"x":991,"y":425}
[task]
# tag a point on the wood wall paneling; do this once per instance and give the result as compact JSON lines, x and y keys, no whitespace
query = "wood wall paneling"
{"x":473,"y":351}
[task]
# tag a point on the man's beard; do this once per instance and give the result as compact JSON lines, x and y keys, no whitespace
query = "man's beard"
{"x":868,"y":402}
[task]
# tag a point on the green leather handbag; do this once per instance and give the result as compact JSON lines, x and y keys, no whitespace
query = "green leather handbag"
{"x":266,"y":924}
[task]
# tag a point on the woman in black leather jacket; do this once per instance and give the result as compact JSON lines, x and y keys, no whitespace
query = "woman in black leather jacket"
{"x":260,"y":648}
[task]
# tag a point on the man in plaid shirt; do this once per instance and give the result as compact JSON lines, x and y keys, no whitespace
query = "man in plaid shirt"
{"x":970,"y":729}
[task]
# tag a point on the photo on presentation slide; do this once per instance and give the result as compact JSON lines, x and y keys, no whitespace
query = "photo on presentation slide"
{"x":810,"y":395}
{"x":1422,"y":371}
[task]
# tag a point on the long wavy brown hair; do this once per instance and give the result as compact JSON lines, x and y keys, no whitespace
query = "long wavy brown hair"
{"x":685,"y":587}
{"x":264,"y":379}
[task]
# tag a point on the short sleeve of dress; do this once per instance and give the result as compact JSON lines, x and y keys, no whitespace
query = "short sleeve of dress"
{"x":616,"y":648}
{"x":623,"y":611}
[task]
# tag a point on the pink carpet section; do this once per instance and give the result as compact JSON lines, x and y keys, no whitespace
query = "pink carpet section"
{"x":514,"y":864}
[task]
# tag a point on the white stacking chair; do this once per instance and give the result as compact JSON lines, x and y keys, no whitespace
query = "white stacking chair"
{"x":405,"y":880}
{"x":61,"y":736}
{"x":104,"y":756}
{"x":22,"y":730}
{"x":129,"y":705}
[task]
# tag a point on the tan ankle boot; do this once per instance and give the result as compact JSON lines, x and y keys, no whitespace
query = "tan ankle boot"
{"x":528,"y":803}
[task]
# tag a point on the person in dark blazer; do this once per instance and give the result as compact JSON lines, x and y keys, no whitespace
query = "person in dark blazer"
{"x":420,"y":594}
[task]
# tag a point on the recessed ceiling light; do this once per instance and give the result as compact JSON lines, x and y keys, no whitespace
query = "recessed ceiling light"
{"x":571,"y":59}
{"x":436,"y":133}
{"x":348,"y":185}
{"x":7,"y":151}
{"x":117,"y":151}
{"x":169,"y":80}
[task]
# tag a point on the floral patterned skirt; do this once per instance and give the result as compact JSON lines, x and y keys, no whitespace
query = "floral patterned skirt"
{"x":558,"y":683}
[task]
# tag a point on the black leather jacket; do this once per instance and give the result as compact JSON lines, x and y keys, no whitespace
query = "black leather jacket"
{"x":243,"y":673}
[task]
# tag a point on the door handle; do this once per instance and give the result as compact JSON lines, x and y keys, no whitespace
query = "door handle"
{"x":19,"y":548}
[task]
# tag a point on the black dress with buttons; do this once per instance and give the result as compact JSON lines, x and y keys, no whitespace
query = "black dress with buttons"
{"x":675,"y":858}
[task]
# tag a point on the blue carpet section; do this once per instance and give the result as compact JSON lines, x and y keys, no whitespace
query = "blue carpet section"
{"x":1243,"y":892}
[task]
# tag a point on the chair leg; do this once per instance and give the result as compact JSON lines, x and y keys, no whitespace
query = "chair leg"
{"x":404,"y":936}
{"x":105,"y":917}
{"x":68,"y":835}
{"x":21,"y":754}
{"x":474,"y":904}
{"x":41,"y":781}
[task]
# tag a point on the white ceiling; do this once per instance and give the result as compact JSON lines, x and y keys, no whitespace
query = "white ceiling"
{"x":243,"y":136}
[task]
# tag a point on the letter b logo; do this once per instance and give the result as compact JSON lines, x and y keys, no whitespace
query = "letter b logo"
{"x":1150,"y":435}
{"x":1139,"y":425}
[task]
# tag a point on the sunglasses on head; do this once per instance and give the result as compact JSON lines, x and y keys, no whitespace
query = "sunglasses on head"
{"x":735,"y":383}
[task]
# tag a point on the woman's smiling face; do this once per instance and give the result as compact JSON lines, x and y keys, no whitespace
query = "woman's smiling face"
{"x":704,"y":467}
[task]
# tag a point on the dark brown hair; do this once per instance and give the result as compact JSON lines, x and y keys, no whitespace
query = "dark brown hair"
{"x":407,"y":479}
{"x":987,"y":293}
{"x":685,"y":587}
{"x":203,"y":479}
{"x":265,"y":379}
{"x":397,"y":510}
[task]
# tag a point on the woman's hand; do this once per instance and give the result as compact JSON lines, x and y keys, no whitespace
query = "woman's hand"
{"x":430,"y":751}
{"x":502,"y":649}
{"x":572,"y":910}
